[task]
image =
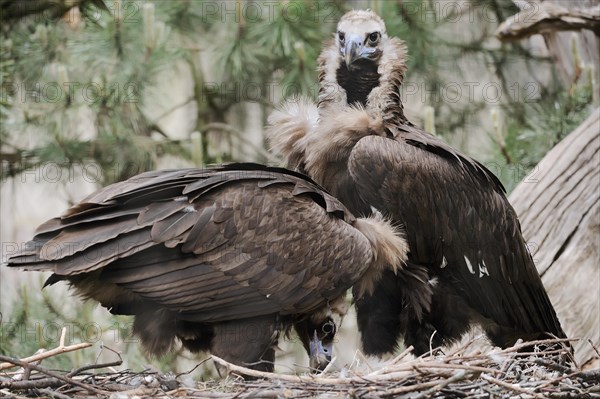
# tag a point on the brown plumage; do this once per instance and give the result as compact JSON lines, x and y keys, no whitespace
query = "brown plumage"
{"x":470,"y":261}
{"x":224,"y":259}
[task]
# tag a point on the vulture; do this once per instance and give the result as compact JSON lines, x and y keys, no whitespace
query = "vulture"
{"x":468,"y":263}
{"x":223,"y":260}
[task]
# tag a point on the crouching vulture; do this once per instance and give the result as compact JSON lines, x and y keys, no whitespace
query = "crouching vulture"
{"x":469,"y":260}
{"x":224,"y":260}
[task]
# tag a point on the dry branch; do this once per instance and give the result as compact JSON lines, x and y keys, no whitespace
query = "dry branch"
{"x":545,"y":17}
{"x":60,"y":349}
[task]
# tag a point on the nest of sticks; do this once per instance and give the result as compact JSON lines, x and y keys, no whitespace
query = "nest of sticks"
{"x":537,"y":369}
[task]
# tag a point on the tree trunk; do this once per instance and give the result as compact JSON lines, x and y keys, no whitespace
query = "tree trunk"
{"x":559,"y":209}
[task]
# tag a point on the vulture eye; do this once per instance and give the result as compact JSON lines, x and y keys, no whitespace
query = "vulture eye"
{"x":374,"y":38}
{"x":342,"y":37}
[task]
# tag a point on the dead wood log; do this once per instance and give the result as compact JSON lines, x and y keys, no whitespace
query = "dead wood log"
{"x":559,"y":208}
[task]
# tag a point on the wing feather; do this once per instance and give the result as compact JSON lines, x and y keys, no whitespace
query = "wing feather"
{"x":456,"y":213}
{"x":210,"y":245}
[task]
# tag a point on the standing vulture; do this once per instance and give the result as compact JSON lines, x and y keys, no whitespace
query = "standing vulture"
{"x":224,"y":260}
{"x":463,"y":234}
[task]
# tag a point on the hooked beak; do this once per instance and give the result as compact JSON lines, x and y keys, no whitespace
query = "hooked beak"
{"x":353,"y":50}
{"x":320,"y":355}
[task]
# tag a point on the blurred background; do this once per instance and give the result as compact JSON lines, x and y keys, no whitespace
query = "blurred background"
{"x":94,"y":92}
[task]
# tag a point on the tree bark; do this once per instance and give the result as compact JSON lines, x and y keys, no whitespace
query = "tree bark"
{"x":559,"y":209}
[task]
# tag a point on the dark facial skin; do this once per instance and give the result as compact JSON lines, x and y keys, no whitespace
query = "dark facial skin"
{"x":317,"y":339}
{"x":354,"y":47}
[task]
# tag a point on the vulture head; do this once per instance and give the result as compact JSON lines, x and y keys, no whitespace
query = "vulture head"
{"x":362,"y":65}
{"x":359,"y":37}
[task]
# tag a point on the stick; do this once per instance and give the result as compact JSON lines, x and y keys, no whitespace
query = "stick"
{"x":456,"y":377}
{"x":410,"y":388}
{"x":509,"y":386}
{"x":51,"y":374}
{"x":94,"y":366}
{"x":594,"y":347}
{"x":44,"y":355}
{"x":389,"y":366}
{"x":403,"y":354}
{"x":525,"y":344}
{"x":30,"y":384}
{"x":328,"y":367}
{"x":55,"y":394}
{"x":268,"y":375}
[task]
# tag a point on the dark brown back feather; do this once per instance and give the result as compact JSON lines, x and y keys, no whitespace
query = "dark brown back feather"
{"x":459,"y":224}
{"x":204,"y":246}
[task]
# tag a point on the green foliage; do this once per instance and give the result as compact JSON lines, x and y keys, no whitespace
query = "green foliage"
{"x":546,"y":123}
{"x":7,"y":66}
{"x":242,"y":58}
{"x":296,"y":42}
{"x":104,"y":66}
{"x":55,"y":69}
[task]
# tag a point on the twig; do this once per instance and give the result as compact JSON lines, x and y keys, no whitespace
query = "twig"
{"x":479,"y":369}
{"x":94,"y":366}
{"x":431,"y":342}
{"x":456,"y":375}
{"x":463,"y":348}
{"x":585,"y":375}
{"x":173,"y":109}
{"x":459,"y":375}
{"x":30,"y":384}
{"x":44,"y":355}
{"x":225,"y":128}
{"x":594,"y":347}
{"x":588,"y":375}
{"x":192,"y":369}
{"x":525,"y":344}
{"x":509,"y":386}
{"x":552,"y":366}
{"x":328,"y":367}
{"x":55,"y":394}
{"x":98,"y":365}
{"x":264,"y":374}
{"x":401,"y":356}
{"x":410,"y":388}
{"x":49,"y":373}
